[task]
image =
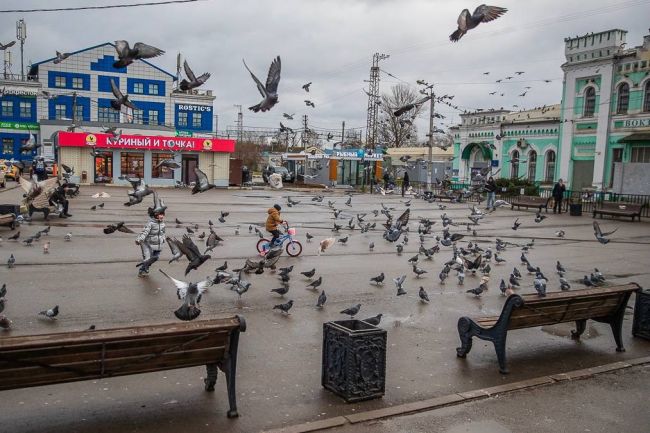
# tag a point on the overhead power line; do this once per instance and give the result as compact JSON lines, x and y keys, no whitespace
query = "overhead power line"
{"x":82,"y":8}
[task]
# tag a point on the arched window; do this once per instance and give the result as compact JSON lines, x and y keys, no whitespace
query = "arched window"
{"x":550,"y":166}
{"x":532,"y":165}
{"x":623,"y":98}
{"x":514,"y":164}
{"x":646,"y":97}
{"x":590,"y":102}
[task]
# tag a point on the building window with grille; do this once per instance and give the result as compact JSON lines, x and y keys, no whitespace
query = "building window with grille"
{"x":532,"y":165}
{"x":132,"y":164}
{"x":77,"y":83}
{"x":623,"y":98}
{"x":550,"y":166}
{"x":25,"y":110}
{"x":153,"y":89}
{"x":107,"y":114}
{"x":161,"y":172}
{"x":590,"y":102}
{"x":8,"y":146}
{"x":182,"y":119}
{"x":7,"y":108}
{"x":640,"y":154}
{"x":138,"y":116}
{"x":59,"y":81}
{"x":196,"y":120}
{"x":138,"y":87}
{"x":646,"y":97}
{"x":153,"y":117}
{"x":514,"y":164}
{"x":59,"y":111}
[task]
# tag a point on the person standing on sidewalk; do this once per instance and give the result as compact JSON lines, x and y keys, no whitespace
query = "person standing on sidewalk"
{"x":558,"y":195}
{"x":405,"y":183}
{"x":491,"y":188}
{"x":151,"y":240}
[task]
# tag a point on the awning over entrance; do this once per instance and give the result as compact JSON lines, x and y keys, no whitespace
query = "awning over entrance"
{"x":484,"y":146}
{"x":635,"y":137}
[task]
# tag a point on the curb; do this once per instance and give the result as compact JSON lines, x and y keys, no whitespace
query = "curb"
{"x":457,"y":398}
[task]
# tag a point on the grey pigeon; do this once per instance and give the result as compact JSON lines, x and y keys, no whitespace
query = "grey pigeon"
{"x":600,"y":235}
{"x":309,"y":274}
{"x":190,"y":294}
{"x":120,"y":98}
{"x":202,"y":184}
{"x":399,"y":281}
{"x":322,"y":298}
{"x":379,"y":279}
{"x":284,"y":308}
{"x":308,"y":236}
{"x":174,"y":246}
{"x":3,"y":301}
{"x":306,"y":86}
{"x":560,"y":269}
{"x":269,"y":91}
{"x":516,"y":224}
{"x":503,"y":287}
{"x":540,"y":286}
{"x":50,"y":313}
{"x":3,"y":290}
{"x":192,"y":80}
{"x":418,"y":271}
{"x":564,"y":284}
{"x":477,"y":291}
{"x":400,"y":248}
{"x":314,"y":284}
{"x":5,"y":323}
{"x":281,"y":290}
{"x":60,"y":57}
{"x":343,"y":240}
{"x":587,"y":282}
{"x":482,"y":14}
{"x":424,"y":297}
{"x":371,"y":246}
{"x":352,"y":311}
{"x":373,"y":320}
{"x":128,"y":55}
{"x":513,"y":281}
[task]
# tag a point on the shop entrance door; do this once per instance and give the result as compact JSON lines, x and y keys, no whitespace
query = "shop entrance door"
{"x":189,"y":163}
{"x":104,"y":168}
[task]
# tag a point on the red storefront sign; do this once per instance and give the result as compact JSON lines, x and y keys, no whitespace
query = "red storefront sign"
{"x":145,"y":142}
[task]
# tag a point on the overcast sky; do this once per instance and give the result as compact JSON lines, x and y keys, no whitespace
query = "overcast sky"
{"x":331,"y":42}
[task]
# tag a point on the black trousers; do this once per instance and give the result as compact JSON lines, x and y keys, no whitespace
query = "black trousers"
{"x":557,"y":206}
{"x":276,"y":235}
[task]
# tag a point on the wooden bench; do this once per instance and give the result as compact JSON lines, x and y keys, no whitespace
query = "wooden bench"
{"x":8,"y":213}
{"x":618,"y":208}
{"x":600,"y":304}
{"x":530,"y":201}
{"x":452,"y":196}
{"x":36,"y":360}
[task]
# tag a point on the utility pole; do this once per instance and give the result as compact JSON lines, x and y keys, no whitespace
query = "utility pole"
{"x":216,"y":125}
{"x":428,"y":90}
{"x":342,"y":133}
{"x":239,"y":124}
{"x":21,"y":35}
{"x":305,"y":125}
{"x":373,"y":99}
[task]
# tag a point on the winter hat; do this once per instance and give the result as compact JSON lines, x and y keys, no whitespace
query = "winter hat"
{"x":277,"y":207}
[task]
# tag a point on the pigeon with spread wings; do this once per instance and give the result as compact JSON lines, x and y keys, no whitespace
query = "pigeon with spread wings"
{"x":191,"y":251}
{"x":120,"y":227}
{"x":128,"y":55}
{"x":192,"y":80}
{"x":482,"y":14}
{"x":270,"y":91}
{"x":190,"y":294}
{"x":600,"y":235}
{"x":202,"y":184}
{"x":120,"y":98}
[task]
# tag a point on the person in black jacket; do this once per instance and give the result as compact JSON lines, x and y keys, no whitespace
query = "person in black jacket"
{"x":491,"y":188}
{"x":558,"y":195}
{"x":405,"y":183}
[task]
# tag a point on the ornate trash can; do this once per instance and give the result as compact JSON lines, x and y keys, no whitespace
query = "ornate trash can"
{"x":641,"y":323}
{"x":354,"y":360}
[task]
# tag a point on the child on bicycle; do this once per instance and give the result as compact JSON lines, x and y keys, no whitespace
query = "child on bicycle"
{"x":272,"y":222}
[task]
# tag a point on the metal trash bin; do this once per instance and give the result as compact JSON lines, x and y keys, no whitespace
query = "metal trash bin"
{"x":354,"y":360}
{"x":575,"y":209}
{"x":641,"y":323}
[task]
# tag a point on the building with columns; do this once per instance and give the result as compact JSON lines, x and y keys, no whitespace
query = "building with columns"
{"x":597,"y":138}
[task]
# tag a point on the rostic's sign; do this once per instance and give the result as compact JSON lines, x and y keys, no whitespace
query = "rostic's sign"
{"x":186,"y":107}
{"x":145,"y":142}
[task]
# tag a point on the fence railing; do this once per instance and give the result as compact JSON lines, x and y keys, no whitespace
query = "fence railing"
{"x":589,"y":200}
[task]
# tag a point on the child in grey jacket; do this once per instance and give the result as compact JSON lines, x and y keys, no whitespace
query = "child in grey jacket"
{"x":151,"y":240}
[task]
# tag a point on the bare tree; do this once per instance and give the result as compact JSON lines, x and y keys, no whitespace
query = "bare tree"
{"x":398,"y":131}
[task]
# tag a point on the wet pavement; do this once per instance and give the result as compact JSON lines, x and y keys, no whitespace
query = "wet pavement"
{"x":93,"y":279}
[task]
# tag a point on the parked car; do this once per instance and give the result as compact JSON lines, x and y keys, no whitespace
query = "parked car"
{"x":287,"y":176}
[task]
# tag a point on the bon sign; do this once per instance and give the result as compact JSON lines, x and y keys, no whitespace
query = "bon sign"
{"x":145,"y":142}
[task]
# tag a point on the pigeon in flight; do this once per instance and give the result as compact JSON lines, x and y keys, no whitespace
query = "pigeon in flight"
{"x":284,"y":308}
{"x":309,"y":103}
{"x":120,"y":98}
{"x":482,"y":14}
{"x":202,"y":184}
{"x":352,"y":311}
{"x":7,"y":45}
{"x":270,"y":91}
{"x":288,"y":116}
{"x":192,"y":80}
{"x":128,"y":55}
{"x":192,"y":253}
{"x":60,"y":57}
{"x":190,"y":294}
{"x":50,"y":313}
{"x":600,"y":235}
{"x":306,"y":87}
{"x":174,"y":246}
{"x":516,"y":224}
{"x":111,"y":228}
{"x":409,"y":107}
{"x":399,"y":281}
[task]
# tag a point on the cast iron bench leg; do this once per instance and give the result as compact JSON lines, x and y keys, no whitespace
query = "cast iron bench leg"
{"x":500,"y":348}
{"x":465,"y":325}
{"x":229,"y":367}
{"x":580,"y":328}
